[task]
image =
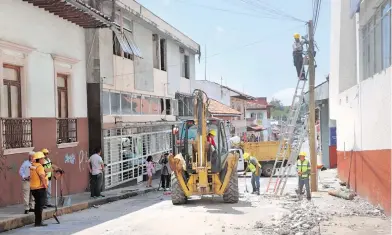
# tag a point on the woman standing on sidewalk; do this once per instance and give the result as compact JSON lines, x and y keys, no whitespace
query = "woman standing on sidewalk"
{"x":38,"y":186}
{"x":150,"y":171}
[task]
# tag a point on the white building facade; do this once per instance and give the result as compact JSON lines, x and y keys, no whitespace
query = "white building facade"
{"x":43,"y":102}
{"x":144,"y":63}
{"x":360,"y":95}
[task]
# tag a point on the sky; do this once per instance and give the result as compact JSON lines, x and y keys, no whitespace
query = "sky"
{"x":249,"y":47}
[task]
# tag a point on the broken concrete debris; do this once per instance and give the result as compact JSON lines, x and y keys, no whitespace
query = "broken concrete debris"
{"x":303,"y":216}
{"x":342,"y":194}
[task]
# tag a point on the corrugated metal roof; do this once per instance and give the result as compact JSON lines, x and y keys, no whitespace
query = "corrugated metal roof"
{"x":75,"y":11}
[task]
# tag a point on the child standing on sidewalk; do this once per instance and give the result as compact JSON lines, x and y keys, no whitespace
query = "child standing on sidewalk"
{"x":150,"y":171}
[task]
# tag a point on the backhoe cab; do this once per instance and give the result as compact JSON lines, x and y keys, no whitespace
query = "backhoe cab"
{"x":199,"y":168}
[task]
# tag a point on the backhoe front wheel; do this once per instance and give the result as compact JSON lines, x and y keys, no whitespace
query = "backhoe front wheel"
{"x":177,"y":195}
{"x":232,"y":194}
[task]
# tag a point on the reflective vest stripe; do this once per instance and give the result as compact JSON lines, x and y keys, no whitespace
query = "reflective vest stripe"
{"x":48,"y":165}
{"x":303,"y":167}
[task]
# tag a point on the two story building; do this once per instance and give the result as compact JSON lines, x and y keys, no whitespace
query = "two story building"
{"x":137,"y":68}
{"x":360,"y":95}
{"x":43,"y":101}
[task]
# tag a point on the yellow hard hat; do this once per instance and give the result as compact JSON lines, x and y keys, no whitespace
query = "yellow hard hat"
{"x":45,"y":151}
{"x":297,"y":36}
{"x":302,"y":154}
{"x":38,"y":155}
{"x":246,"y":156}
{"x":212,"y":132}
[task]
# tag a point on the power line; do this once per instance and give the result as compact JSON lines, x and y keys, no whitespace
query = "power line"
{"x":277,"y":11}
{"x":231,"y":11}
{"x":213,"y":55}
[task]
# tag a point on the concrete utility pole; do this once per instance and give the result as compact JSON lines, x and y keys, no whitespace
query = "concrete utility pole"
{"x":312,"y":111}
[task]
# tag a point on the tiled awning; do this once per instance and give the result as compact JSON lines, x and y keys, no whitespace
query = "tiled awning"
{"x":74,"y":11}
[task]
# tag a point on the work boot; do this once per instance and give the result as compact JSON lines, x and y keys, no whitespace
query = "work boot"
{"x":49,"y":205}
{"x":31,"y":210}
{"x":40,"y":225}
{"x":26,"y":212}
{"x":258,"y":192}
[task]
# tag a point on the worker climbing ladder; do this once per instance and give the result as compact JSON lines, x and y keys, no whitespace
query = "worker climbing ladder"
{"x":286,"y":136}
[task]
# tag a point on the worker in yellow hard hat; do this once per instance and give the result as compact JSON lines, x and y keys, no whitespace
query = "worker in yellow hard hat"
{"x":255,"y":167}
{"x":303,"y":170}
{"x":49,"y":169}
{"x":298,"y":55}
{"x":210,"y":137}
{"x":38,"y":186}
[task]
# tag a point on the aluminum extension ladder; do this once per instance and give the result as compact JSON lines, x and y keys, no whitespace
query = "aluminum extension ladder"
{"x":286,"y":136}
{"x":292,"y":161}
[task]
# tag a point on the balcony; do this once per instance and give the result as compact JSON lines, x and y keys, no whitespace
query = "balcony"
{"x":67,"y":132}
{"x":16,"y":133}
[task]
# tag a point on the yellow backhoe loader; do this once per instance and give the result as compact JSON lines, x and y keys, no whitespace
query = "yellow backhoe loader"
{"x":201,"y":168}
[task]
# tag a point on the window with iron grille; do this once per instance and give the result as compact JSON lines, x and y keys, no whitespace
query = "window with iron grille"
{"x":15,"y":130}
{"x":125,"y":153}
{"x":66,"y":127}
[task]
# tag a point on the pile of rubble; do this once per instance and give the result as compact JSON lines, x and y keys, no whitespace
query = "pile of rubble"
{"x":360,"y":207}
{"x":303,"y":219}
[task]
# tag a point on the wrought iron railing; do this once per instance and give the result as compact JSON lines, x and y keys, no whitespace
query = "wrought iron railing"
{"x":66,"y":130}
{"x":16,"y":133}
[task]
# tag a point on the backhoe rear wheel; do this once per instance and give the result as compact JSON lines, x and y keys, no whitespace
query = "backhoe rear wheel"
{"x":232,"y":194}
{"x":177,"y":195}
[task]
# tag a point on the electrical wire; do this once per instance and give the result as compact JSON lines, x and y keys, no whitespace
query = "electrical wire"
{"x":261,"y":6}
{"x":278,"y":11}
{"x":316,"y":4}
{"x":201,"y":59}
{"x":274,"y":17}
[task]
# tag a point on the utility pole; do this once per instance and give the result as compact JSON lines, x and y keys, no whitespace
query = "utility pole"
{"x":205,"y":62}
{"x":312,"y":111}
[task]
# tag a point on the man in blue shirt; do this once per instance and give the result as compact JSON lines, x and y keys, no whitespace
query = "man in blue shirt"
{"x":24,"y":172}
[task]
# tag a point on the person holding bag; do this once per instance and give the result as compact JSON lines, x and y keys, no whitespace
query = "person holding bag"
{"x":38,"y":186}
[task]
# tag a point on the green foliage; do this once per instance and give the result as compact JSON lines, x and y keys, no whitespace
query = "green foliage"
{"x":279,"y":110}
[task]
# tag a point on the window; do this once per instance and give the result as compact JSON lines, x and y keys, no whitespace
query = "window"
{"x":168,"y":106}
{"x":185,"y":67}
{"x":12,"y":89}
{"x":136,"y":104}
{"x":115,"y":103}
{"x":126,"y":104}
{"x":386,"y":35}
{"x":106,"y":102}
{"x":376,"y":42}
{"x":155,"y":106}
{"x":162,"y":43}
{"x":223,"y":137}
{"x":62,"y":96}
{"x":145,"y":105}
{"x":120,"y":48}
{"x":155,"y":52}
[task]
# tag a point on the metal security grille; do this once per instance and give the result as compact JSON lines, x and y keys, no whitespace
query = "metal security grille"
{"x":126,"y":150}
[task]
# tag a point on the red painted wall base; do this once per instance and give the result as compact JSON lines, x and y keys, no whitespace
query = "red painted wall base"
{"x":370,"y":175}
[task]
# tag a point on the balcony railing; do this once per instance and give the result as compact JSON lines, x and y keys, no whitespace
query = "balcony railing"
{"x":66,"y":130}
{"x":16,"y":133}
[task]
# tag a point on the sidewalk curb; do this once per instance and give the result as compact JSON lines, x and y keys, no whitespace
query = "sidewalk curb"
{"x":23,"y":220}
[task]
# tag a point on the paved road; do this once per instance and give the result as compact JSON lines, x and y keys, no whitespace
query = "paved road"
{"x":154,"y":214}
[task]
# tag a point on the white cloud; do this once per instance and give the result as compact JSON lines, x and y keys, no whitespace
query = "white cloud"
{"x":285,"y":95}
{"x":219,"y":29}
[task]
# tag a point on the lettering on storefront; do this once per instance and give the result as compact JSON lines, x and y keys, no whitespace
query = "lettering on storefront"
{"x":69,"y":158}
{"x":83,"y":160}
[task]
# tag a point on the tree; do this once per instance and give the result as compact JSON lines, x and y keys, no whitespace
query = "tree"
{"x":278,"y":109}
